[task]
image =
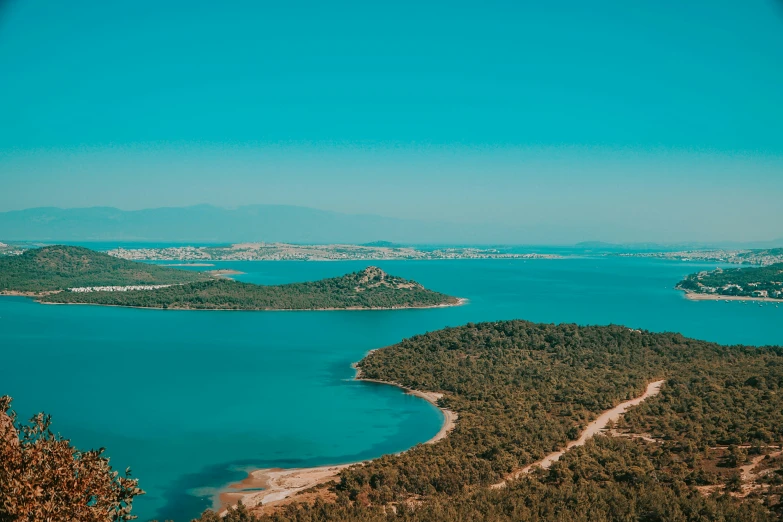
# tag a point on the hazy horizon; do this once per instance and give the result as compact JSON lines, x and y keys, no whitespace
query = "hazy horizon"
{"x":210,"y":224}
{"x":608,"y":122}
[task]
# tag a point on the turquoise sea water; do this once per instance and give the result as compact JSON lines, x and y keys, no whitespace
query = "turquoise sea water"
{"x":191,"y":399}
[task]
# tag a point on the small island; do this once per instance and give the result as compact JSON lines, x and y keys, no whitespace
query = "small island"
{"x":759,"y":283}
{"x":75,"y":275}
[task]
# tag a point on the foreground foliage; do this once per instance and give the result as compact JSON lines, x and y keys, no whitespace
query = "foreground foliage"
{"x":42,"y":477}
{"x":523,"y":390}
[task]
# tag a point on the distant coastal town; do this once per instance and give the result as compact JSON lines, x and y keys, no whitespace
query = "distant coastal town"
{"x":757,"y":257}
{"x":291,"y":252}
{"x":204,"y":255}
{"x":10,"y":250}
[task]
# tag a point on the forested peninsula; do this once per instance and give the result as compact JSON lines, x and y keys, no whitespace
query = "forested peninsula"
{"x":765,"y":282}
{"x":707,"y":447}
{"x":75,"y":275}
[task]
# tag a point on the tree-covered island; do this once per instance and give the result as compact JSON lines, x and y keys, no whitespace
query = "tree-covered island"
{"x":764,"y":282}
{"x":76,"y":275}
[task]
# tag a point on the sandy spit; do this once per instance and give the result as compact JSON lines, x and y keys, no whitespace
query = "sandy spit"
{"x":693,"y":296}
{"x":278,"y":485}
{"x":186,"y":264}
{"x":224,"y":273}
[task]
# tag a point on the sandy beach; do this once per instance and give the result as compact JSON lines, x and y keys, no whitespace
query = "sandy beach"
{"x":224,"y":273}
{"x":280,"y":485}
{"x":590,"y":431}
{"x":716,"y":297}
{"x":188,"y":264}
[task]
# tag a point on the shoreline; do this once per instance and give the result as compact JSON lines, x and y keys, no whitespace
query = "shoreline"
{"x":694,"y":296}
{"x":460,"y":302}
{"x":280,"y":486}
{"x":224,"y":273}
{"x":449,"y":417}
{"x":20,"y":293}
{"x":181,"y":264}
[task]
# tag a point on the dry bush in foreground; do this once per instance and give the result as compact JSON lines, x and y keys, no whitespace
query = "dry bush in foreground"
{"x":44,"y":478}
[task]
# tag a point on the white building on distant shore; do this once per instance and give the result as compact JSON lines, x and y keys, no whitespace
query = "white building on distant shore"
{"x":88,"y":289}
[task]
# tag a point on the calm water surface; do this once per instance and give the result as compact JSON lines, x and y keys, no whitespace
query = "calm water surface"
{"x":190,"y":400}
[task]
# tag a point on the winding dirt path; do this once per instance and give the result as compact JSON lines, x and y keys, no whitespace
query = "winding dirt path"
{"x":746,"y":471}
{"x":592,"y":429}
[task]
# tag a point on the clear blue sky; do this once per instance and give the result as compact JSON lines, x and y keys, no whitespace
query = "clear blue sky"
{"x":650,"y":120}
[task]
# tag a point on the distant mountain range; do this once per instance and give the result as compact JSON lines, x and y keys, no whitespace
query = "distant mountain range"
{"x":283,"y":223}
{"x":205,"y":223}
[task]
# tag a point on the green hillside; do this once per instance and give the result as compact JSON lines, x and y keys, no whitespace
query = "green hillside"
{"x":60,"y":267}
